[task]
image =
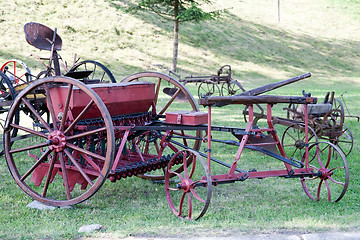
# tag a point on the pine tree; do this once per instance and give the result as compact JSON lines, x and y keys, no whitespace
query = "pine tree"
{"x":177,"y":11}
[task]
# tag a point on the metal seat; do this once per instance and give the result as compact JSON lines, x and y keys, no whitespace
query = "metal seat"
{"x":41,"y":36}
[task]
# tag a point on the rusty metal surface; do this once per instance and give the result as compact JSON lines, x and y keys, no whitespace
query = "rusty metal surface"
{"x":269,"y":99}
{"x":269,"y":87}
{"x":119,"y":98}
{"x":41,"y":36}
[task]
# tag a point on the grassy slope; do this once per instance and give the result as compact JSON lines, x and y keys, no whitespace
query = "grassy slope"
{"x":320,"y":37}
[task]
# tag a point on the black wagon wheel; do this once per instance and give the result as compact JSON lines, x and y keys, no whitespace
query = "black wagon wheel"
{"x":99,"y":71}
{"x":293,"y":140}
{"x":333,"y":124}
{"x":231,"y":88}
{"x":190,"y":196}
{"x":208,"y":88}
{"x":345,"y":140}
{"x":57,"y":162}
{"x":331,"y":178}
{"x":7,"y":95}
{"x":170,"y":95}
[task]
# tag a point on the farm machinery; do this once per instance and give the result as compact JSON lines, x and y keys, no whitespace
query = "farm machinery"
{"x":64,"y":137}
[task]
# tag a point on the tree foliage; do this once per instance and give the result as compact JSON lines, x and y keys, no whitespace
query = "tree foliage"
{"x":188,"y":10}
{"x":177,"y":11}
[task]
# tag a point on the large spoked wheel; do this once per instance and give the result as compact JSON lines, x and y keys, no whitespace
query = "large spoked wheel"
{"x":17,"y":71}
{"x":331,"y":177}
{"x":170,"y":96}
{"x":293,"y":140}
{"x":65,"y":160}
{"x":99,"y":71}
{"x":190,"y":196}
{"x":7,"y":95}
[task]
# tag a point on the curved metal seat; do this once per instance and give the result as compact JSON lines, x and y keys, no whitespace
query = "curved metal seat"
{"x":41,"y":36}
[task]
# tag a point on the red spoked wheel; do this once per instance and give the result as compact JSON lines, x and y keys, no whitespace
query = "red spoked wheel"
{"x":190,"y":194}
{"x":170,"y":96}
{"x":17,"y":71}
{"x":331,"y":177}
{"x":59,"y":162}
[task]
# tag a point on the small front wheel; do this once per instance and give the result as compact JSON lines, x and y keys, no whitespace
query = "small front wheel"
{"x":208,"y":88}
{"x":331,"y":172}
{"x":231,"y":88}
{"x":190,"y":193}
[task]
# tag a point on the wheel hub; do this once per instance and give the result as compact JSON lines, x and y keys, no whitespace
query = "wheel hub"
{"x":299,"y":144}
{"x":325,"y":173}
{"x":185,"y":185}
{"x":56,"y":141}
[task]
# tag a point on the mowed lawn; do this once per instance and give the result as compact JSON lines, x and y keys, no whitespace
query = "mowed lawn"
{"x":320,"y":37}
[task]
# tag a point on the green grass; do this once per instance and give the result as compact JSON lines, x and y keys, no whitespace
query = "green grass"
{"x":320,"y":37}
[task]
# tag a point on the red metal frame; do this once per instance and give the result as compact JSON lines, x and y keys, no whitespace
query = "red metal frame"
{"x":287,"y":172}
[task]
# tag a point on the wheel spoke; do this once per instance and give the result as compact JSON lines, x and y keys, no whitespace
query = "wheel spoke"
{"x":170,"y":101}
{"x":78,"y":118}
{"x":185,"y":166}
{"x":291,"y":136}
{"x":84,"y":134}
{"x":336,"y":182}
{"x":181,"y":203}
{"x":157,"y":91}
{"x":193,"y":166}
{"x":25,"y":129}
{"x":319,"y":157}
{"x":319,"y":190}
{"x":344,"y":141}
{"x":37,"y":115}
{"x":328,"y":190}
{"x":49,"y":174}
{"x":78,"y":167}
{"x":196,"y":196}
{"x":292,"y":155}
{"x":40,"y":145}
{"x":94,"y":155}
{"x":65,"y":176}
{"x":190,"y":205}
{"x":51,"y":107}
{"x":38,"y":162}
{"x":177,"y":174}
{"x":329,"y":157}
{"x":91,"y":162}
{"x":66,"y":107}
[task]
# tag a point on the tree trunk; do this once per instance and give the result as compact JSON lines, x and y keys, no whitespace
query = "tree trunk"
{"x":176,"y":37}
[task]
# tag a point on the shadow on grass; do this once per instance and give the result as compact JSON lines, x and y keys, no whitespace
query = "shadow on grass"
{"x":241,"y":40}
